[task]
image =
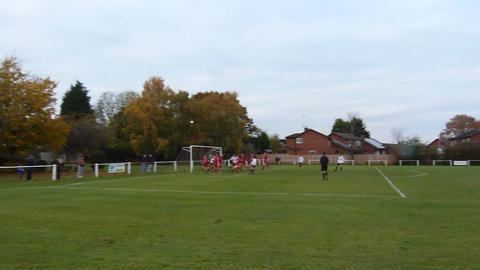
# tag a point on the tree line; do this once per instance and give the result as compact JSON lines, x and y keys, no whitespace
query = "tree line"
{"x":120,"y":126}
{"x":447,"y":146}
{"x":158,"y":120}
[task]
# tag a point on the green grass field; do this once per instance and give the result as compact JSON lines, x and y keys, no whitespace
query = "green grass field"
{"x":284,"y":218}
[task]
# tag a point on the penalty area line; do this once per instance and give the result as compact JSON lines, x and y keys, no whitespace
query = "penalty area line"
{"x":232,"y":192}
{"x":391,"y":184}
{"x":257,"y":172}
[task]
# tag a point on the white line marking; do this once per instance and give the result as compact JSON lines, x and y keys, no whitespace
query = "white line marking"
{"x":257,"y":172}
{"x":23,"y":188}
{"x":101,"y":181}
{"x":418,"y":174}
{"x":76,"y":184}
{"x":234,"y":192}
{"x":390,"y":182}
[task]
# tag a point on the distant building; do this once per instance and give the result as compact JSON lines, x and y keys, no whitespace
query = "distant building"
{"x":312,"y":142}
{"x":308,"y":142}
{"x":469,"y":136}
{"x":440,"y":144}
{"x":350,"y":143}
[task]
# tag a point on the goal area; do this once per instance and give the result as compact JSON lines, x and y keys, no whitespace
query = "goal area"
{"x":191,"y":156}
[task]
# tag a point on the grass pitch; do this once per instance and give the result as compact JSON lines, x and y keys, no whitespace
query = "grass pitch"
{"x":284,"y":218}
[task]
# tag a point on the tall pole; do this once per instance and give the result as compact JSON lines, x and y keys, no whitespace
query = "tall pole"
{"x":191,"y":159}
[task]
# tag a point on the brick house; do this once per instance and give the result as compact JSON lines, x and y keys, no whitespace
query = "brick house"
{"x":308,"y":142}
{"x":346,"y":143}
{"x":439,"y":145}
{"x":351,"y":144}
{"x":469,"y":136}
{"x":312,"y":142}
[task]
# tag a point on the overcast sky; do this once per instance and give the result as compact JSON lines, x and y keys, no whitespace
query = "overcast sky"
{"x":410,"y":64}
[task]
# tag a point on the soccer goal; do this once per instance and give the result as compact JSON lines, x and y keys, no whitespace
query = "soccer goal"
{"x":409,"y":162}
{"x":192,"y":155}
{"x":442,"y":162}
{"x":377,"y":161}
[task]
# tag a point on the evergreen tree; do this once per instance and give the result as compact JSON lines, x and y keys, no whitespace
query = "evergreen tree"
{"x":359,"y":128}
{"x":76,"y":102}
{"x":354,"y":126}
{"x":341,"y":126}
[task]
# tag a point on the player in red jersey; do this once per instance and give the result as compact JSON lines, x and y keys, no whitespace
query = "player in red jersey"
{"x":205,"y":164}
{"x":265,"y":161}
{"x":220,"y":163}
{"x":238,"y":165}
{"x":241,"y":160}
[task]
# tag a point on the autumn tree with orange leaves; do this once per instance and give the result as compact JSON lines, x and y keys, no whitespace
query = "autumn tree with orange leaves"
{"x":27,"y":113}
{"x":162,"y":120}
{"x":459,"y":124}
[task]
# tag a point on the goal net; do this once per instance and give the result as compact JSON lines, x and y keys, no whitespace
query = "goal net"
{"x":191,"y":156}
{"x":409,"y":162}
{"x":377,"y":162}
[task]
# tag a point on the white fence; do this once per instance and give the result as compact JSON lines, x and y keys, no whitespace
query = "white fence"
{"x":401,"y":162}
{"x":373,"y":161}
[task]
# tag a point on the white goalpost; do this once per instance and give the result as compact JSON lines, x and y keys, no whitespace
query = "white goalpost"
{"x":409,"y":162}
{"x":377,"y":161}
{"x":196,"y":152}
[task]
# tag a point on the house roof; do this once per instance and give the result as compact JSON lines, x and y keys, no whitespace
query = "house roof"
{"x":296,"y":135}
{"x":467,"y":134}
{"x":347,"y":136}
{"x":374,"y":143}
{"x":438,"y":142}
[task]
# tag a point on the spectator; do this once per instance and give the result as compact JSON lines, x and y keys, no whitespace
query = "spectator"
{"x":29,"y":162}
{"x":80,"y":166}
{"x":59,"y":162}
